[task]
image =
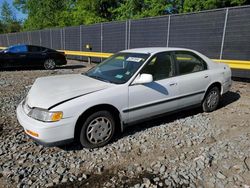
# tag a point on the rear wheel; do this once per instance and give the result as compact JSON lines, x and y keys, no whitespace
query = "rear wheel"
{"x":211,"y":100}
{"x":97,"y":130}
{"x":50,"y":64}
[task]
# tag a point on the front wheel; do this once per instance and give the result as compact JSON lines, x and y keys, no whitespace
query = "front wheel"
{"x":211,"y":100}
{"x":50,"y":64}
{"x":97,"y":130}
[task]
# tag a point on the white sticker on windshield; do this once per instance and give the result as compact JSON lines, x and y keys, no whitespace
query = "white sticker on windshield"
{"x":118,"y":76}
{"x":135,"y":59}
{"x":127,"y":73}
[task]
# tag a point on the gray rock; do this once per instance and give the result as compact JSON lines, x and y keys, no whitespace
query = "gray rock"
{"x":84,"y":176}
{"x":162,"y":169}
{"x":56,"y":180}
{"x":220,"y":175}
{"x":156,"y":179}
{"x":64,"y":179}
{"x":30,"y":182}
{"x":49,"y":185}
{"x":137,"y":185}
{"x":60,"y":170}
{"x":146,"y":182}
{"x":160,"y":184}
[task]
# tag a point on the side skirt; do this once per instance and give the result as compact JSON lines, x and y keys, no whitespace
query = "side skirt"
{"x":160,"y":115}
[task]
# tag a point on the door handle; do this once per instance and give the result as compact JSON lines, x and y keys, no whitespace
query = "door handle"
{"x":206,"y":76}
{"x":22,"y":55}
{"x":172,"y":84}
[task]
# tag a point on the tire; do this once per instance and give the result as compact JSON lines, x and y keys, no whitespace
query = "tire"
{"x":97,"y":130}
{"x":211,"y":100}
{"x":49,"y":64}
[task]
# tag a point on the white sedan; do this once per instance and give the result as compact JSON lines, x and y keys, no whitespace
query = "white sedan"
{"x":131,"y":86}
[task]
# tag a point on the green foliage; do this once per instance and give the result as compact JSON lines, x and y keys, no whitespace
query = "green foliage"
{"x":142,"y":8}
{"x":198,"y":5}
{"x":2,"y":27}
{"x":44,"y":13}
{"x":8,"y":21}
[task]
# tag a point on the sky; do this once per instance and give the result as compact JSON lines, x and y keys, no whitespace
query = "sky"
{"x":19,"y":15}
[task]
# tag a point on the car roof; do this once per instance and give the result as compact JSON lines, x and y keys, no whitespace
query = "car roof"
{"x":27,"y":45}
{"x":17,"y":45}
{"x":153,"y":50}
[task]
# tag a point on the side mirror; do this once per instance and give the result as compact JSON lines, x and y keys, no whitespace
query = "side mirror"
{"x":143,"y":79}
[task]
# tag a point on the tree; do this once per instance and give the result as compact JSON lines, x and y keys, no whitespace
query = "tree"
{"x":53,"y":13}
{"x":43,"y":13}
{"x":7,"y":15}
{"x":9,"y":23}
{"x":145,"y":8}
{"x":93,"y":11}
{"x":198,"y":5}
{"x":2,"y":27}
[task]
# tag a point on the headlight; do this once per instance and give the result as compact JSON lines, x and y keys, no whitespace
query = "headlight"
{"x":45,"y":115}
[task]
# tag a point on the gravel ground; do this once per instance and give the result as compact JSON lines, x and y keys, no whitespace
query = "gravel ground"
{"x":187,"y":149}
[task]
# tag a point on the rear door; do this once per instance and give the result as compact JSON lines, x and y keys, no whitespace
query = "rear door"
{"x":36,"y":55}
{"x":193,"y":77}
{"x":157,"y":97}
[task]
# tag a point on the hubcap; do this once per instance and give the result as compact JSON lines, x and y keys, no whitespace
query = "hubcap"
{"x":212,"y":99}
{"x":50,"y":64}
{"x":99,"y":130}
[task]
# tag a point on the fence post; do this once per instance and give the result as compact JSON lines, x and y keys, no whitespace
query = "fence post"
{"x":129,"y":33}
{"x":61,"y":30}
{"x":169,"y":20}
{"x":28,"y":37}
{"x":126,"y":35}
{"x":101,"y":36}
{"x":51,"y":42}
{"x":64,"y":38}
{"x":80,"y":37}
{"x":223,"y":35}
{"x":40,"y":38}
{"x":7,"y":37}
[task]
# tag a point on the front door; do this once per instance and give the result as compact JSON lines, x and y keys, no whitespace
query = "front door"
{"x":157,"y":97}
{"x":17,"y":56}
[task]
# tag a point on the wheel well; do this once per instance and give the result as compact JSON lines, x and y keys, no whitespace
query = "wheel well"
{"x":97,"y":108}
{"x":215,"y":84}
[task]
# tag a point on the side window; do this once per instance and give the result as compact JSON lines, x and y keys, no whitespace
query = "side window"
{"x":34,"y":49}
{"x":43,"y":49}
{"x":189,"y":62}
{"x":18,"y":49}
{"x":160,"y":66}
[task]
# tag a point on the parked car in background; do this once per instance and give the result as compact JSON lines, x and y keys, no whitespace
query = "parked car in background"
{"x":131,"y":86}
{"x":31,"y":56}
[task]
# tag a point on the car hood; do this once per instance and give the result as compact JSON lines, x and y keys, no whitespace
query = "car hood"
{"x":50,"y":91}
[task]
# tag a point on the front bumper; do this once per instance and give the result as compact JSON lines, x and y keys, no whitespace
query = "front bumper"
{"x":47,"y":133}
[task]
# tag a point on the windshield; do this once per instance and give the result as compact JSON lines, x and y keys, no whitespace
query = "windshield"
{"x":17,"y":49}
{"x":119,"y":68}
